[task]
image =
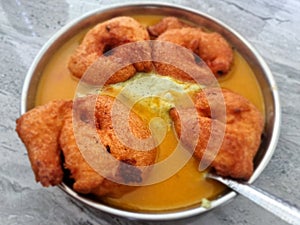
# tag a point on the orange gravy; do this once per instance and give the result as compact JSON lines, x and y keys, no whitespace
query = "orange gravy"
{"x":186,"y":187}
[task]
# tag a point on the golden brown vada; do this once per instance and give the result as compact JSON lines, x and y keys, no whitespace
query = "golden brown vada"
{"x":87,"y":179}
{"x":211,"y":47}
{"x":48,"y":129}
{"x":105,"y":37}
{"x":243,"y":128}
{"x":175,"y":61}
{"x":39,"y":130}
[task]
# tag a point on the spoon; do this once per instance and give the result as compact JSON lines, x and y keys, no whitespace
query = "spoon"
{"x":273,"y":204}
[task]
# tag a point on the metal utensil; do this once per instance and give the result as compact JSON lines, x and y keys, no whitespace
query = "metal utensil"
{"x":273,"y":204}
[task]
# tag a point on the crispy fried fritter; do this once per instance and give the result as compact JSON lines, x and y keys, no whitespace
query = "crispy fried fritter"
{"x":210,"y":47}
{"x":88,"y":124}
{"x":104,"y":37}
{"x":243,"y":128}
{"x":175,"y":61}
{"x":164,"y":24}
{"x":39,"y":130}
{"x":122,"y":63}
{"x":47,"y":129}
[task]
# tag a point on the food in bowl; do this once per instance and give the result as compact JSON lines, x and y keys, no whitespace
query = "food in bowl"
{"x":211,"y":47}
{"x":228,"y":66}
{"x":104,"y":37}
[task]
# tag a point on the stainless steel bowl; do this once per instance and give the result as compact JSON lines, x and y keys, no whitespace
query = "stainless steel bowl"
{"x":256,"y":62}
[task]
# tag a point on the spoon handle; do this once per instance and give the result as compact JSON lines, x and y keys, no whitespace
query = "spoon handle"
{"x":275,"y":205}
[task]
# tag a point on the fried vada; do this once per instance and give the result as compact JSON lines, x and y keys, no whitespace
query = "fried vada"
{"x":243,"y":126}
{"x":104,"y":37}
{"x":39,"y":129}
{"x":211,"y":47}
{"x":48,"y":133}
{"x":87,"y":179}
{"x":178,"y":62}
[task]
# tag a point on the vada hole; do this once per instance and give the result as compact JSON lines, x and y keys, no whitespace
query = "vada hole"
{"x":197,"y":59}
{"x":220,"y":73}
{"x":108,"y":50}
{"x":107,"y":148}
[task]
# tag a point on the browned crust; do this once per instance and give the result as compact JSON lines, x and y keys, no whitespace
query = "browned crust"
{"x":106,"y":36}
{"x":39,"y":130}
{"x":98,"y":122}
{"x":212,"y":48}
{"x":243,"y":128}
